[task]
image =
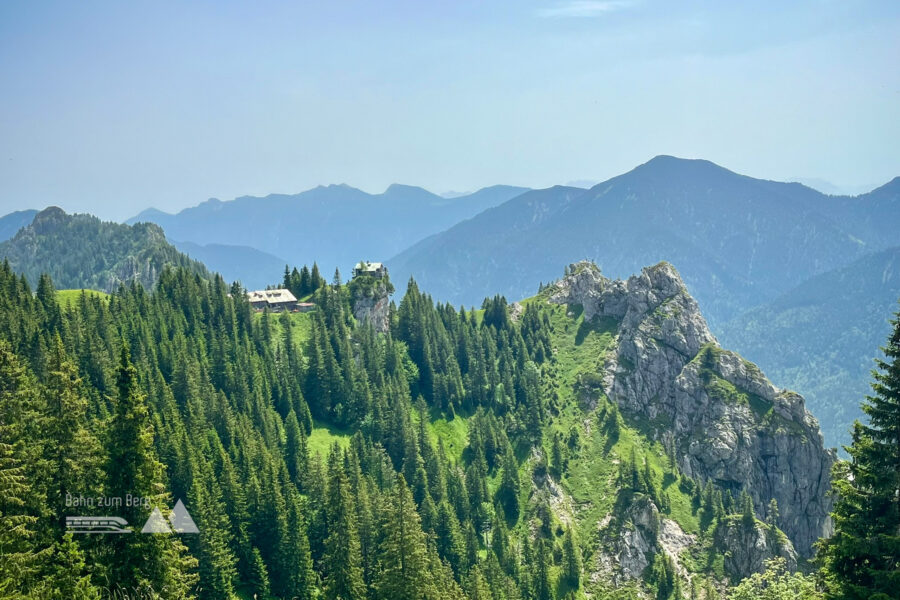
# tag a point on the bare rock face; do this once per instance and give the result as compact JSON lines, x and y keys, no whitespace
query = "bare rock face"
{"x":746,"y":547}
{"x":762,"y":439}
{"x":635,"y":537}
{"x":373,"y":308}
{"x":631,"y":540}
{"x":728,"y":422}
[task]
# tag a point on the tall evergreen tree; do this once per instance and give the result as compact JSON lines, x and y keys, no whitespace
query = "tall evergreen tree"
{"x":342,"y":560}
{"x":543,"y":588}
{"x":17,"y":556}
{"x":156,"y":562}
{"x":508,"y":492}
{"x":403,"y":566}
{"x":571,"y":560}
{"x":71,"y":449}
{"x":862,"y":558}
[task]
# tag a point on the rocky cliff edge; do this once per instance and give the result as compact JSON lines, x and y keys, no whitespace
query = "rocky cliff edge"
{"x":728,"y":423}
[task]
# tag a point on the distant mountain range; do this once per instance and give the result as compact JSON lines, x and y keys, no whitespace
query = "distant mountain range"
{"x":335,"y":225}
{"x":253,"y":268}
{"x":81,"y":251}
{"x":738,"y":242}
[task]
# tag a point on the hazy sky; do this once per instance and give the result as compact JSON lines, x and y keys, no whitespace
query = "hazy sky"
{"x":111,"y":107}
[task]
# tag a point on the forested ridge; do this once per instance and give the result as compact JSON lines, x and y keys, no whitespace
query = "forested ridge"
{"x":81,"y":251}
{"x":320,"y":459}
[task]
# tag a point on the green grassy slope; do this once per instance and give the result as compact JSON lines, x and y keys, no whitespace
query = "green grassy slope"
{"x":71,"y":296}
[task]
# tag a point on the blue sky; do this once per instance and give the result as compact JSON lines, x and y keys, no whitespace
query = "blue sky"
{"x":112,"y":107}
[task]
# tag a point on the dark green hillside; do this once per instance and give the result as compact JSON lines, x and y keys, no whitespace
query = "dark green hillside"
{"x":81,"y":251}
{"x":821,"y":337}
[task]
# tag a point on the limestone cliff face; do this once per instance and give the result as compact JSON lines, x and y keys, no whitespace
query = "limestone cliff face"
{"x":373,"y":307}
{"x":727,"y":421}
{"x":634,"y":537}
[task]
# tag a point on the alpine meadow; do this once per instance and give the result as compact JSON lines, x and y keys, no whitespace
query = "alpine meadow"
{"x":647,"y":349}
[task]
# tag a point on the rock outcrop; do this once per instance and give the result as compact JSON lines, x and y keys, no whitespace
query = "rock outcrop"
{"x":747,"y":546}
{"x":727,"y":421}
{"x":633,"y":538}
{"x":372,"y":305}
{"x":630,"y":541}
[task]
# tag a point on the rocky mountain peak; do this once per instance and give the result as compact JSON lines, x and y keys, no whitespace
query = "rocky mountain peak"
{"x":728,"y":422}
{"x":48,"y":219}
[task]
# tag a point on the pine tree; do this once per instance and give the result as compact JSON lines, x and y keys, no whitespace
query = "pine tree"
{"x":17,"y":560}
{"x":71,"y":449}
{"x":772,"y":514}
{"x":543,"y":589}
{"x":862,"y":558}
{"x":477,"y":587}
{"x":21,"y":557}
{"x":295,"y":450}
{"x":748,"y":516}
{"x":316,"y":279}
{"x":557,"y":460}
{"x":448,"y":537}
{"x":66,"y":575}
{"x":296,"y":557}
{"x":211,"y":546}
{"x":305,"y":282}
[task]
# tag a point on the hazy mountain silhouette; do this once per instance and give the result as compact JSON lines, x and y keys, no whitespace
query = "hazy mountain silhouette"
{"x":738,"y":241}
{"x":11,"y":224}
{"x":81,"y":251}
{"x":254,"y":268}
{"x":336,"y":225}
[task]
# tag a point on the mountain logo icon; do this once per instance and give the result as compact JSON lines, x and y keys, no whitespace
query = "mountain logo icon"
{"x":181,"y":519}
{"x":156,"y":523}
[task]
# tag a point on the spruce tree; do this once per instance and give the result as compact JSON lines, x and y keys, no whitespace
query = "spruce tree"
{"x":259,"y":575}
{"x":212,"y":545}
{"x":17,"y":560}
{"x":543,"y":588}
{"x":449,"y":539}
{"x":862,"y":558}
{"x":71,"y":450}
{"x":508,"y":492}
{"x":403,"y":566}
